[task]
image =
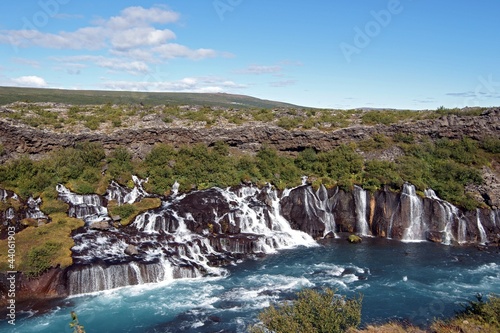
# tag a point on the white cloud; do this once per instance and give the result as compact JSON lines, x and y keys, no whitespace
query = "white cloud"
{"x":29,"y":81}
{"x":138,"y":16}
{"x":188,"y":84}
{"x":140,"y":36}
{"x":27,"y":62}
{"x":258,"y":69}
{"x":172,"y":50}
{"x":133,"y":34}
{"x":283,"y":83}
{"x":114,"y":64}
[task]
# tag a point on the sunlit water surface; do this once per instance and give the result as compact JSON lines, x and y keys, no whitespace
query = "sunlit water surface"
{"x":408,"y":281}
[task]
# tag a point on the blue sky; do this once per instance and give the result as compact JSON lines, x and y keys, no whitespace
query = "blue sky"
{"x":417,"y":54}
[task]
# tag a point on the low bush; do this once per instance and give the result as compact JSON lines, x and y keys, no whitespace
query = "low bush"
{"x":311,"y":312}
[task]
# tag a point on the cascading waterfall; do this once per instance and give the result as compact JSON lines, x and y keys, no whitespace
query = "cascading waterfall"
{"x":89,"y":207}
{"x":416,"y":229}
{"x":192,"y":235}
{"x":360,"y":198}
{"x":96,"y":277}
{"x":33,"y":210}
{"x":482,"y":232}
{"x":252,"y":220}
{"x":452,"y":216}
{"x":328,"y":218}
{"x":123,"y":195}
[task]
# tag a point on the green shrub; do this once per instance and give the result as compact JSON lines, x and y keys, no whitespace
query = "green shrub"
{"x":489,"y":144}
{"x":124,"y":210}
{"x":264,"y":115}
{"x":288,"y":123}
{"x":403,"y":137}
{"x":487,"y":312}
{"x":312,"y":312}
{"x":40,"y":258}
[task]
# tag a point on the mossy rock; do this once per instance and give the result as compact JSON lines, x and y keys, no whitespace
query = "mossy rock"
{"x":354,"y":239}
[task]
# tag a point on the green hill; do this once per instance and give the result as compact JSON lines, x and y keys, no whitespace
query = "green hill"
{"x":82,"y":97}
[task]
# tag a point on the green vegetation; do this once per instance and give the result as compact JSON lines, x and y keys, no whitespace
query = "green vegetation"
{"x":75,"y":324}
{"x":43,"y":247}
{"x":447,"y":166}
{"x":128,"y":212}
{"x":87,"y":97}
{"x":312,"y":312}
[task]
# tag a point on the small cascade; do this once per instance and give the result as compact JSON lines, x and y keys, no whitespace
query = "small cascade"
{"x":3,"y":195}
{"x":462,"y":231}
{"x":10,"y":214}
{"x":416,"y":229}
{"x":175,"y":188}
{"x":360,"y":199}
{"x":482,"y":232}
{"x":97,"y":277}
{"x":89,"y":207}
{"x":266,"y":221}
{"x":33,"y":210}
{"x":453,"y":220}
{"x":327,"y":215}
{"x":125,"y":195}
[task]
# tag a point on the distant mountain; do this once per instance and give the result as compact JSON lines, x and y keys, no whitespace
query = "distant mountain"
{"x":81,"y":97}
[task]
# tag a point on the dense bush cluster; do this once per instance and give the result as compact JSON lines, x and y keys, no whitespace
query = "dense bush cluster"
{"x":444,"y":165}
{"x":312,"y":312}
{"x":315,"y":312}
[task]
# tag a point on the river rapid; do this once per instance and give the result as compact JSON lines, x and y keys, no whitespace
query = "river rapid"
{"x":413,"y":281}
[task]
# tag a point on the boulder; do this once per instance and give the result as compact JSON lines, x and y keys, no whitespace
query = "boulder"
{"x":101,"y":225}
{"x":131,"y":250}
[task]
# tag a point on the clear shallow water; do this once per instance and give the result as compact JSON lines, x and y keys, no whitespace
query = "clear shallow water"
{"x":414,"y":281}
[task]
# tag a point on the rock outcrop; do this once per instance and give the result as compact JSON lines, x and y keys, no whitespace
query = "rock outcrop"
{"x":21,"y":139}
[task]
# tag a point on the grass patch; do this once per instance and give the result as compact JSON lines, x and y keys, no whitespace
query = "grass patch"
{"x":39,"y":248}
{"x":128,"y":212}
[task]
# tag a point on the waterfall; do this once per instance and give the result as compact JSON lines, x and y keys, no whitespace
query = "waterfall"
{"x":416,"y":229}
{"x":89,"y":207}
{"x":175,"y":188}
{"x":482,"y":232}
{"x":360,"y":198}
{"x":33,"y":210}
{"x":328,"y":218}
{"x":96,"y":277}
{"x":10,"y":213}
{"x":124,"y":195}
{"x":462,"y":231}
{"x":252,"y":220}
{"x":452,"y":218}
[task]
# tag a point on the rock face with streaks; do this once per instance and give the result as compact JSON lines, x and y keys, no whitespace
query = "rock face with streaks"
{"x":19,"y":139}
